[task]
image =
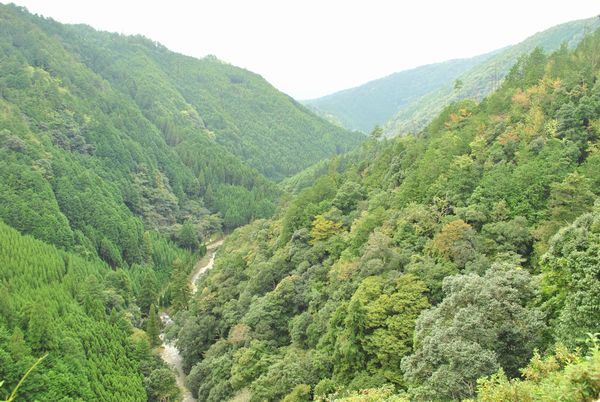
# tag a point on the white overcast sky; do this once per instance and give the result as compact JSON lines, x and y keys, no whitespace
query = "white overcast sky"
{"x":309,"y":48}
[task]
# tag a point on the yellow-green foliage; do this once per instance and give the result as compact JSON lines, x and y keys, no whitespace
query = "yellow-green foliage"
{"x":384,"y":394}
{"x":323,"y":229}
{"x":563,"y":376}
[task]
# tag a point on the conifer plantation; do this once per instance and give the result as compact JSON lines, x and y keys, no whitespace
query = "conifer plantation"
{"x":457,"y":263}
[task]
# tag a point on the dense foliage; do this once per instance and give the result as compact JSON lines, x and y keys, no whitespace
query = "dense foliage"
{"x":427,"y":267}
{"x":561,"y":375}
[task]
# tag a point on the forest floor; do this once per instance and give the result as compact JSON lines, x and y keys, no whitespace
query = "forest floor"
{"x":169,"y":353}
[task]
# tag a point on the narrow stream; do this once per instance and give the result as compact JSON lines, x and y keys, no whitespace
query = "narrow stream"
{"x":169,"y":353}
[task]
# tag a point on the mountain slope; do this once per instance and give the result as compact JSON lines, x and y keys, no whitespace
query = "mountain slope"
{"x":262,"y":126}
{"x":162,"y":134}
{"x":485,"y":77}
{"x":375,"y":102}
{"x":423,"y":263}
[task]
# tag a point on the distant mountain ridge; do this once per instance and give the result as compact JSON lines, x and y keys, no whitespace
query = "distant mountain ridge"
{"x":485,"y":77}
{"x":406,"y":101}
{"x":374,"y":103}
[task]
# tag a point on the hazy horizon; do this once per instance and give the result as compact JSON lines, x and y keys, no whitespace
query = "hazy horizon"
{"x":311,"y":49}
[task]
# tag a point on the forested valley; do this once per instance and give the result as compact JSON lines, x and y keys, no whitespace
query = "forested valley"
{"x":118,"y":159}
{"x":461,"y":262}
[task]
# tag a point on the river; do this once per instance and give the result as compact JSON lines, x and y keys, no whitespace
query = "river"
{"x":169,"y":353}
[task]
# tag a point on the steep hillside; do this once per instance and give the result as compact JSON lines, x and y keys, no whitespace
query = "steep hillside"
{"x":374,"y":103}
{"x":247,"y":116}
{"x":484,"y":77}
{"x":166,"y":137}
{"x":426,"y":267}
